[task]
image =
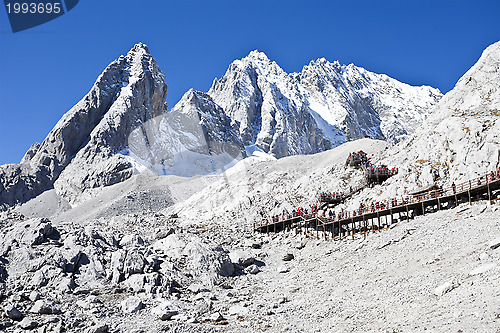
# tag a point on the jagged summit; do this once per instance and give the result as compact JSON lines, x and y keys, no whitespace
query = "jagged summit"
{"x":257,"y":55}
{"x":159,"y":253}
{"x":140,"y":48}
{"x":343,"y":102}
{"x":256,"y":103}
{"x":79,"y":152}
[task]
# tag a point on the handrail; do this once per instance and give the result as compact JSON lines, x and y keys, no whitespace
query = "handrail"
{"x":460,"y":188}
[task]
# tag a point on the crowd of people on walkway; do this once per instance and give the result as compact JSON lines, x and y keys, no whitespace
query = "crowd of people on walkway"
{"x":361,"y":158}
{"x":374,"y":206}
{"x":358,"y":158}
{"x":381,"y":170}
{"x":330,"y":196}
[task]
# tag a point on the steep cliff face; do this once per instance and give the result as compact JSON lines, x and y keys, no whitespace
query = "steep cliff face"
{"x":321,"y":107}
{"x":461,"y":139}
{"x":272,"y":113}
{"x":79,"y":151}
{"x":141,"y":97}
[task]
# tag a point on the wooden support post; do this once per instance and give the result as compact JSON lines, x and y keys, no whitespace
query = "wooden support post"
{"x":378,"y":217}
{"x":324,"y":231}
{"x":317,"y":232}
{"x":489,"y":192}
{"x":456,"y":200}
{"x":423,"y":208}
{"x":407,"y":214}
{"x":352,"y":228}
{"x":392,"y":217}
{"x":274,"y":226}
{"x":439,"y":204}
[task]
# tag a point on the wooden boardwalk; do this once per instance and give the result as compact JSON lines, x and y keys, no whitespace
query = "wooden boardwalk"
{"x":363,"y":222}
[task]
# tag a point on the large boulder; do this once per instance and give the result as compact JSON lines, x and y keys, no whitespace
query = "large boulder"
{"x":242,"y":257}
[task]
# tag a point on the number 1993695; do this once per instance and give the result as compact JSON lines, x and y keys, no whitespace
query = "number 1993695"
{"x":33,"y":8}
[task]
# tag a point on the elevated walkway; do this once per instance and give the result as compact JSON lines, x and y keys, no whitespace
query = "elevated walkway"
{"x":363,"y":222}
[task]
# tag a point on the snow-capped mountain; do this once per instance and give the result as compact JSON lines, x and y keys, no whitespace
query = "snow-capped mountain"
{"x":321,"y":107}
{"x":361,"y":103}
{"x":121,"y":126}
{"x":157,"y":253}
{"x":272,"y":114}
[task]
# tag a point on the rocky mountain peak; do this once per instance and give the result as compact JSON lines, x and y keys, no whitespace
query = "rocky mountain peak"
{"x":257,"y":55}
{"x":477,"y":90}
{"x":345,"y":102}
{"x":79,"y":152}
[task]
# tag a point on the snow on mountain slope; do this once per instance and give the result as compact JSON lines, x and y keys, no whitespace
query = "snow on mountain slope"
{"x":164,"y":252}
{"x":460,"y":141}
{"x":364,"y":103}
{"x":252,"y":190}
{"x":272,"y":114}
{"x":196,"y":137}
{"x":256,"y":104}
{"x":346,"y":102}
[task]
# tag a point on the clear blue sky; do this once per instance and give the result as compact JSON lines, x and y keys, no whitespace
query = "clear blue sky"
{"x":44,"y":71}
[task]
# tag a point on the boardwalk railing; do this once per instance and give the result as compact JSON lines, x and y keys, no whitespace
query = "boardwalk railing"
{"x":394,"y":203}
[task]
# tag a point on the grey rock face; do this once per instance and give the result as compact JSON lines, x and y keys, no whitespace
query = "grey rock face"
{"x":242,"y":257}
{"x":165,"y":310}
{"x":99,"y":328}
{"x":43,"y":307}
{"x":21,"y":182}
{"x":131,"y":304}
{"x":3,"y":273}
{"x":134,"y":262}
{"x":141,"y":97}
{"x":130,"y":91}
{"x":460,"y":140}
{"x":252,"y":269}
{"x":38,"y":233}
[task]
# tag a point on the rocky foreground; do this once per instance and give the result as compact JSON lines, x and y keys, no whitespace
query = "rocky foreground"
{"x":144,"y":273}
